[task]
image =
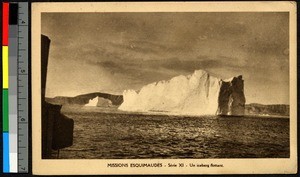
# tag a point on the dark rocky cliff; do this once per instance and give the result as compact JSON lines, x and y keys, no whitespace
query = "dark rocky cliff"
{"x":57,"y":129}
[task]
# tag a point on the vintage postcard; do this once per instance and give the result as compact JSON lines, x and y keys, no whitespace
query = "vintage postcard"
{"x":164,"y":88}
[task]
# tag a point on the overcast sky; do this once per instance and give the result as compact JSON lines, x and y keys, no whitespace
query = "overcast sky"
{"x":111,"y":52}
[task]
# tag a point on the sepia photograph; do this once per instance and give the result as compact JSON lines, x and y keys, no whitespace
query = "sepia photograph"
{"x":167,"y":88}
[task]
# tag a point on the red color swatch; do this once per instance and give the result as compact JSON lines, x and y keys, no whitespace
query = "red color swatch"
{"x":5,"y":14}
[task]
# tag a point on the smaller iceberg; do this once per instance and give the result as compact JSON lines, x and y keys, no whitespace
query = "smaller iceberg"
{"x":102,"y":102}
{"x":92,"y":102}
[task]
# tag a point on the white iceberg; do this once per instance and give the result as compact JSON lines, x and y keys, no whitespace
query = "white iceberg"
{"x":92,"y":102}
{"x":195,"y":94}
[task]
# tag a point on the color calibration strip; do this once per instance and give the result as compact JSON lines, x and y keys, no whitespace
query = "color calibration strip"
{"x":9,"y":92}
{"x":13,"y":87}
{"x":5,"y":120}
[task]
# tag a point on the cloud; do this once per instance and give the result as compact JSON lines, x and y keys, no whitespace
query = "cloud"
{"x":129,"y":50}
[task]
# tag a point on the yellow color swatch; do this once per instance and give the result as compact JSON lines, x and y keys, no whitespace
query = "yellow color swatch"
{"x":5,"y":66}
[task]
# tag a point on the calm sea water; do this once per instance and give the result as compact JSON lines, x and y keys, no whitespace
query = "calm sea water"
{"x":116,"y":136}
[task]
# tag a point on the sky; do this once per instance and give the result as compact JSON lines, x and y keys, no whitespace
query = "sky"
{"x":112,"y":52}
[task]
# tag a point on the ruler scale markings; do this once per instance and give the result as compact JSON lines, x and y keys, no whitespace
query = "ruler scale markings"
{"x":22,"y":89}
{"x":19,"y":128}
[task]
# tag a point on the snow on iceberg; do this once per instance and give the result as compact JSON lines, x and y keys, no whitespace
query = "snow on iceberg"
{"x":92,"y":102}
{"x":195,"y":94}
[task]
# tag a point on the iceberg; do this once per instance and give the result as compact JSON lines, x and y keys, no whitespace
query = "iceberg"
{"x":99,"y":102}
{"x":92,"y":102}
{"x":195,"y":94}
{"x":102,"y":102}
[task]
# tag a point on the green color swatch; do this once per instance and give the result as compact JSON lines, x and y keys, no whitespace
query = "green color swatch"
{"x":5,"y":109}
